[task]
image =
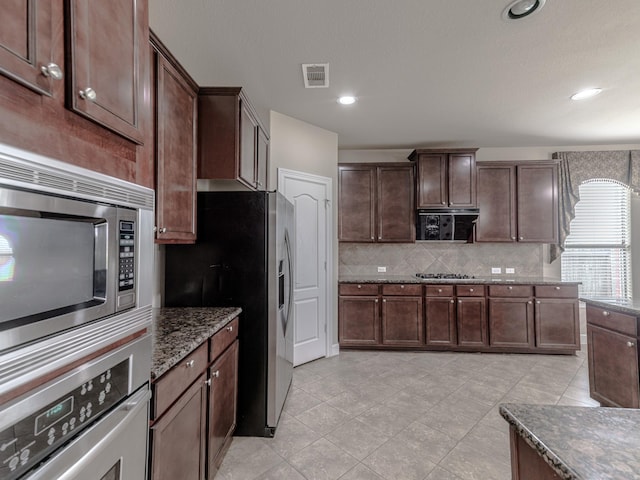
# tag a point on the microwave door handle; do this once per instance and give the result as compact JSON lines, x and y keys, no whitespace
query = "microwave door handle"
{"x":132,"y":406}
{"x":101,"y":257}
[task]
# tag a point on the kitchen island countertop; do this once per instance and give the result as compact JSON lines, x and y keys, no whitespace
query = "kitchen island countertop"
{"x":629,"y":306}
{"x":510,"y":280}
{"x":178,"y":331}
{"x":581,"y":443}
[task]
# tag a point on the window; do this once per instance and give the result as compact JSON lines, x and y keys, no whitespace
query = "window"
{"x":598,"y":249}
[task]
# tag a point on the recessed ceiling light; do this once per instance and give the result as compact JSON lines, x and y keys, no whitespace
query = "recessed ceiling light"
{"x":522,"y":8}
{"x":347,"y":100}
{"x":586,"y":93}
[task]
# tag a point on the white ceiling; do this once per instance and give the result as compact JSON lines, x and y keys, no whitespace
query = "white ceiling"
{"x":426,"y":72}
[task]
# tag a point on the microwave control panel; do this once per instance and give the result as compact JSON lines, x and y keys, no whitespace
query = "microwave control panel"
{"x":29,"y":440}
{"x":126,"y":270}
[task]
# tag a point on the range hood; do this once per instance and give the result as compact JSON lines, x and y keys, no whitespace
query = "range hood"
{"x":452,"y":225}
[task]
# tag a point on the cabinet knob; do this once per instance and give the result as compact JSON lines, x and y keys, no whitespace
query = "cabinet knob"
{"x":207,"y":382}
{"x":372,"y":238}
{"x":190,"y":364}
{"x":51,"y":70}
{"x":521,"y":238}
{"x":444,"y":203}
{"x":162,"y":230}
{"x":557,"y":288}
{"x":631,"y":344}
{"x":380,"y":237}
{"x":88,"y":94}
{"x":230,"y":328}
{"x":471,"y":289}
{"x":452,"y":301}
{"x":605,"y":313}
{"x":384,"y":300}
{"x":459,"y":301}
{"x":509,"y":287}
{"x":439,"y":290}
{"x":537,"y":302}
{"x":513,"y":238}
{"x":359,"y":286}
{"x":376,"y":300}
{"x":401,"y":286}
{"x":530,"y":302}
{"x":215,"y":374}
{"x":259,"y":184}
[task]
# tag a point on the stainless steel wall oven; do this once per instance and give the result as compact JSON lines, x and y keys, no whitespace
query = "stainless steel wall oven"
{"x":76,"y":269}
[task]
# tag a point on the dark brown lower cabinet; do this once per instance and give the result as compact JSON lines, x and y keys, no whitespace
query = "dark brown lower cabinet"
{"x":359,"y":320}
{"x":526,"y":463}
{"x":511,"y":322}
{"x":179,"y":437}
{"x":472,"y":321}
{"x":557,"y":323}
{"x":440,"y":313}
{"x":222,"y":405}
{"x":613,"y":367}
{"x":402,"y":321}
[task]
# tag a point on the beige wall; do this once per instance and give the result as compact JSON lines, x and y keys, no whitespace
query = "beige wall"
{"x":297,"y":145}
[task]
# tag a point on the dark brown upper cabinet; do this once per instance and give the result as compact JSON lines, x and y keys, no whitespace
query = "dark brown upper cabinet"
{"x":176,"y":154}
{"x":375,"y":203}
{"x":518,"y":202}
{"x":26,"y":44}
{"x":233,"y":144}
{"x":446,"y":178}
{"x":104,"y":40}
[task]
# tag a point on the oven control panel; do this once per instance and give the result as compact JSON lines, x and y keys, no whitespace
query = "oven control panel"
{"x":126,"y":248}
{"x":29,"y":440}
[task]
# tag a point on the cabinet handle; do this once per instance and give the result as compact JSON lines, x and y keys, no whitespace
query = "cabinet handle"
{"x":380,"y":237}
{"x":529,"y":302}
{"x":557,"y":288}
{"x":444,"y":203}
{"x":215,"y":374}
{"x":513,"y":238}
{"x":384,"y":300}
{"x":439,"y":290}
{"x":207,"y":382}
{"x":162,"y":230}
{"x":190,"y":364}
{"x":376,"y":300}
{"x":605,"y":313}
{"x":372,"y":238}
{"x":51,"y":70}
{"x":88,"y":94}
{"x":359,"y":286}
{"x":471,"y":289}
{"x":537,"y":302}
{"x":452,"y":301}
{"x":631,"y":344}
{"x":230,"y":328}
{"x":401,"y":286}
{"x":521,"y":238}
{"x":509,"y":287}
{"x":459,"y":301}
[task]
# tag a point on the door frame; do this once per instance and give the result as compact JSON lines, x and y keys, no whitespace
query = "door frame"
{"x":283,"y":174}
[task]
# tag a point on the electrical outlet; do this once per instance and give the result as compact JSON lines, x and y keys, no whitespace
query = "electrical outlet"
{"x":495,"y":270}
{"x":509,"y":270}
{"x":382,"y":269}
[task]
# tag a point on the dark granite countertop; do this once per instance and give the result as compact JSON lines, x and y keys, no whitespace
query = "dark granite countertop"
{"x":511,"y":280}
{"x":581,"y":443}
{"x":630,"y":306}
{"x":179,"y":331}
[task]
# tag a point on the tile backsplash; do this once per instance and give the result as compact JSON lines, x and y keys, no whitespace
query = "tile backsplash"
{"x":466,"y":258}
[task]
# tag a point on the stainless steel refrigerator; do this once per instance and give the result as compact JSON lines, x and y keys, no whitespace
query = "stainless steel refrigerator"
{"x":243,"y":257}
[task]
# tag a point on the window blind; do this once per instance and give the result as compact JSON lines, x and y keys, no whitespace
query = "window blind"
{"x":598,"y":251}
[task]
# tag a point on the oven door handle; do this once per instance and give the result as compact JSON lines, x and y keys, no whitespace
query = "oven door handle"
{"x":132,"y":406}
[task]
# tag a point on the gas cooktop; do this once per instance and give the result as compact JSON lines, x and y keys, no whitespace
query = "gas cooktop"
{"x":443,"y":275}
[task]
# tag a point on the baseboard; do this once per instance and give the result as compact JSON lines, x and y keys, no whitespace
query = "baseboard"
{"x":583,"y":339}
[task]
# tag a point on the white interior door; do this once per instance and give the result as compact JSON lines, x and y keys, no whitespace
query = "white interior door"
{"x":311,"y":196}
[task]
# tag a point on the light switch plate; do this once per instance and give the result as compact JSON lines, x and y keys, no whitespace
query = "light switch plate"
{"x":510,"y":270}
{"x":496,"y":270}
{"x":382,"y":269}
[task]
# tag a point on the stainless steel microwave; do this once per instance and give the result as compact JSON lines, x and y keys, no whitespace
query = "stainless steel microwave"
{"x":69,"y":255}
{"x":450,"y":225}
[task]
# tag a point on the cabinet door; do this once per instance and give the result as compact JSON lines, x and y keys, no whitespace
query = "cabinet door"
{"x":178,"y":438}
{"x":432,"y":180}
{"x":356,"y":203}
{"x":105,"y":40}
{"x":402,"y":321}
{"x":462,"y":180}
{"x":222,"y":404}
{"x":176,"y":156}
{"x":613,"y":368}
{"x":262,"y":159}
{"x":511,"y":322}
{"x":26,"y":42}
{"x":440,"y":319}
{"x":248,"y":132}
{"x":359,"y":320}
{"x":497,"y":204}
{"x":396,"y":212}
{"x":557,"y":323}
{"x":472,"y":321}
{"x":537,"y":203}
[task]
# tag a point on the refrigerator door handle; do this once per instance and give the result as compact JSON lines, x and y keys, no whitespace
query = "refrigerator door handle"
{"x":287,"y":245}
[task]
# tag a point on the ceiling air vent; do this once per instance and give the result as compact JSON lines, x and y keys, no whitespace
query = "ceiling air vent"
{"x":316,"y":75}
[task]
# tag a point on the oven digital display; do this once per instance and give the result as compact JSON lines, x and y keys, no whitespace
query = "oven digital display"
{"x":53,"y":415}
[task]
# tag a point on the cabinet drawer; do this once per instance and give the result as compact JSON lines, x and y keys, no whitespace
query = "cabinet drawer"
{"x":612,"y":320}
{"x":171,"y":385}
{"x":223,"y":338}
{"x":398,"y":289}
{"x":510,"y":291}
{"x":470,"y":290}
{"x":557,"y":291}
{"x":439,"y":290}
{"x":359,"y":289}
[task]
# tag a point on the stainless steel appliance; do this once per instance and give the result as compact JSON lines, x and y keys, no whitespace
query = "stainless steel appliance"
{"x":450,"y":225}
{"x":76,"y":270}
{"x":243,"y":258}
{"x":70,"y":246}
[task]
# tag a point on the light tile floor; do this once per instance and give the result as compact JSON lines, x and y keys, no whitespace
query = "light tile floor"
{"x":404,"y":416}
